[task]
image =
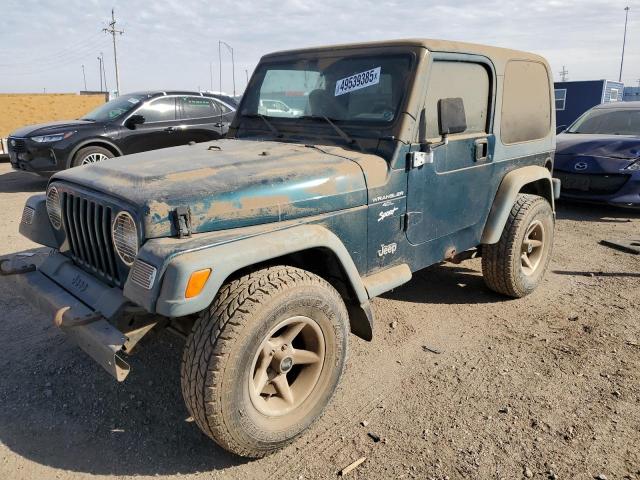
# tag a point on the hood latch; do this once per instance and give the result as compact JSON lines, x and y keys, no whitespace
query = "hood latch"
{"x":182,"y":221}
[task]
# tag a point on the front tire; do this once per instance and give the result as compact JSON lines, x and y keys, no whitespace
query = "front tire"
{"x":89,"y":155}
{"x":516,"y":264}
{"x":264,"y":359}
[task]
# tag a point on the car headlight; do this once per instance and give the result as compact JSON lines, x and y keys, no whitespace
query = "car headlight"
{"x":633,"y":167}
{"x":54,"y":207}
{"x":124,"y":234}
{"x":56,"y":137}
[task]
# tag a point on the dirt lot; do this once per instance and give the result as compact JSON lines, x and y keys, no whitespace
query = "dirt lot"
{"x":543,"y":387}
{"x":20,"y":109}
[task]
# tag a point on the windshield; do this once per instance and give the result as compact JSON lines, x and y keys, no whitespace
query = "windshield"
{"x":363,"y":89}
{"x":115,"y":108}
{"x":608,"y":122}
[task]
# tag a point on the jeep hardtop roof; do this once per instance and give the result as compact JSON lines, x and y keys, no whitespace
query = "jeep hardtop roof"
{"x":496,"y":54}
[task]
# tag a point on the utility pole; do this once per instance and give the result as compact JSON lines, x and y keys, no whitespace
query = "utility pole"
{"x":84,"y":77}
{"x":100,"y":72}
{"x":219,"y":67}
{"x":563,"y":74}
{"x":211,"y":74}
{"x":246,"y":72}
{"x":233,"y":65}
{"x":112,"y":30}
{"x":104,"y":73}
{"x":624,"y":41}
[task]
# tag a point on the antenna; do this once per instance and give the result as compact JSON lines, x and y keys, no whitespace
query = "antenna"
{"x":112,"y":30}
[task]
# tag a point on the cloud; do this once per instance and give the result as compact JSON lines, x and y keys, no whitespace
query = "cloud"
{"x":171,"y":44}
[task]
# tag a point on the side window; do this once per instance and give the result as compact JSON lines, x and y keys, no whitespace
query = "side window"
{"x":560,"y":98}
{"x":199,"y":107}
{"x":160,"y":110}
{"x":469,"y":81}
{"x":223,"y":107}
{"x":526,"y":102}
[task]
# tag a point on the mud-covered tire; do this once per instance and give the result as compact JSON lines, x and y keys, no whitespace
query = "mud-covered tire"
{"x":220,"y":359}
{"x":504,"y":269}
{"x":92,"y":154}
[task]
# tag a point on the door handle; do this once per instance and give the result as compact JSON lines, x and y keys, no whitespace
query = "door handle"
{"x":218,"y":125}
{"x":482,"y":149}
{"x":170,"y":129}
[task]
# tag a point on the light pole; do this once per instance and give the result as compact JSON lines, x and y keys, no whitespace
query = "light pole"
{"x":84,"y":78}
{"x":233,"y":65}
{"x":100,"y":71}
{"x":624,"y":41}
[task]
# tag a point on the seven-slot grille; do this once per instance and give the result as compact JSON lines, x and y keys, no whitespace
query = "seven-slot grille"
{"x":88,"y":226}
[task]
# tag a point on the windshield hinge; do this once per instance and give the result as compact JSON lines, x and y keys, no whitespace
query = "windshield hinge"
{"x":182,"y":221}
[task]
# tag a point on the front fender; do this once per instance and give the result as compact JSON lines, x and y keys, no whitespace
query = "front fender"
{"x":227,"y":258}
{"x":513,"y":183}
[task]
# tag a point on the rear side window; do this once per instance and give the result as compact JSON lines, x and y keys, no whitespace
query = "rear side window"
{"x":160,"y":110}
{"x":223,"y":107}
{"x":526,"y":102}
{"x":469,"y":81}
{"x":199,"y":107}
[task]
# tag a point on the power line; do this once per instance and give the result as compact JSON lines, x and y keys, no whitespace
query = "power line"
{"x":59,"y":53}
{"x":112,"y":30}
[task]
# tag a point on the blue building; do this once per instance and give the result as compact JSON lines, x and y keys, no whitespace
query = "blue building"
{"x":575,"y":98}
{"x":631,"y":94}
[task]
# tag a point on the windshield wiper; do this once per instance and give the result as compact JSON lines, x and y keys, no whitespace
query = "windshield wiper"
{"x":344,"y":135}
{"x":273,"y":129}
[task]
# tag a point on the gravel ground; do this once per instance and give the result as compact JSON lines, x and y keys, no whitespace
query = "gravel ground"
{"x":542,"y":387}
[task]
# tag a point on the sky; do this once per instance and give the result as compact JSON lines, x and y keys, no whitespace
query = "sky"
{"x":174,"y":45}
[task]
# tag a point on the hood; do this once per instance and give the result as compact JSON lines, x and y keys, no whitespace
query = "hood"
{"x":232,"y":183}
{"x":614,"y":146}
{"x":51,"y":127}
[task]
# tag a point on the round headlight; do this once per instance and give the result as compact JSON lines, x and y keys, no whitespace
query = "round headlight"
{"x":125,"y":237}
{"x":54,"y":209}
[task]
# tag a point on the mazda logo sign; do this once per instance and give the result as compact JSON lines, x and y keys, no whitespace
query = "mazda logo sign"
{"x":580,"y":166}
{"x":13,"y":143}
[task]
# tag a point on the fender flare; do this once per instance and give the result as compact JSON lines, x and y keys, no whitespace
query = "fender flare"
{"x":93,"y":141}
{"x":228,"y":258}
{"x":511,"y":185}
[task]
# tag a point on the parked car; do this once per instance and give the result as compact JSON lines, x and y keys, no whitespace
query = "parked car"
{"x":277,"y":108}
{"x":598,"y":157}
{"x":131,"y":123}
{"x":265,"y":249}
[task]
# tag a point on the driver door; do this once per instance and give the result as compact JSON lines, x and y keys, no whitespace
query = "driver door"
{"x":450,"y":197}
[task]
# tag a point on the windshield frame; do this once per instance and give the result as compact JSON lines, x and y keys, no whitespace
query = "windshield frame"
{"x":298,"y":125}
{"x":571,"y":128}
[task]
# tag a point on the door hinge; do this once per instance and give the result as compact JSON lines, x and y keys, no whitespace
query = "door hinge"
{"x":418,"y":159}
{"x":182,"y":220}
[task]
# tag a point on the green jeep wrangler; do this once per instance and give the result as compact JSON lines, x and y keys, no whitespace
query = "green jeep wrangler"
{"x":265,"y":249}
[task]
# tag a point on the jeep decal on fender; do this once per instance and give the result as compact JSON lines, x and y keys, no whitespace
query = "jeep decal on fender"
{"x":386,"y":249}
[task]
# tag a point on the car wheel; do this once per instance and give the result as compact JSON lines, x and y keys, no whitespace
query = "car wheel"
{"x":89,"y":155}
{"x":516,"y":264}
{"x":265,"y":358}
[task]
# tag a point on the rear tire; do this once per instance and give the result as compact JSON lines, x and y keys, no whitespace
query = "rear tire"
{"x":265,"y":358}
{"x":516,"y":264}
{"x":89,"y":155}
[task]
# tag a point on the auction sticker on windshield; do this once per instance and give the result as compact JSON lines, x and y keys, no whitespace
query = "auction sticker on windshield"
{"x":358,"y":81}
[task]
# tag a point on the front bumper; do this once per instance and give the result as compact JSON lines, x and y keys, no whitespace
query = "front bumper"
{"x":87,"y":327}
{"x":33,"y":157}
{"x":627,"y":195}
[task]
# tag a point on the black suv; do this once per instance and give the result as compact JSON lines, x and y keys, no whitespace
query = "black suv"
{"x":131,"y":123}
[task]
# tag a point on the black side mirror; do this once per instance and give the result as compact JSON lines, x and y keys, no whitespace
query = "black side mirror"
{"x":451,"y":116}
{"x":560,"y":129}
{"x":134,"y":120}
